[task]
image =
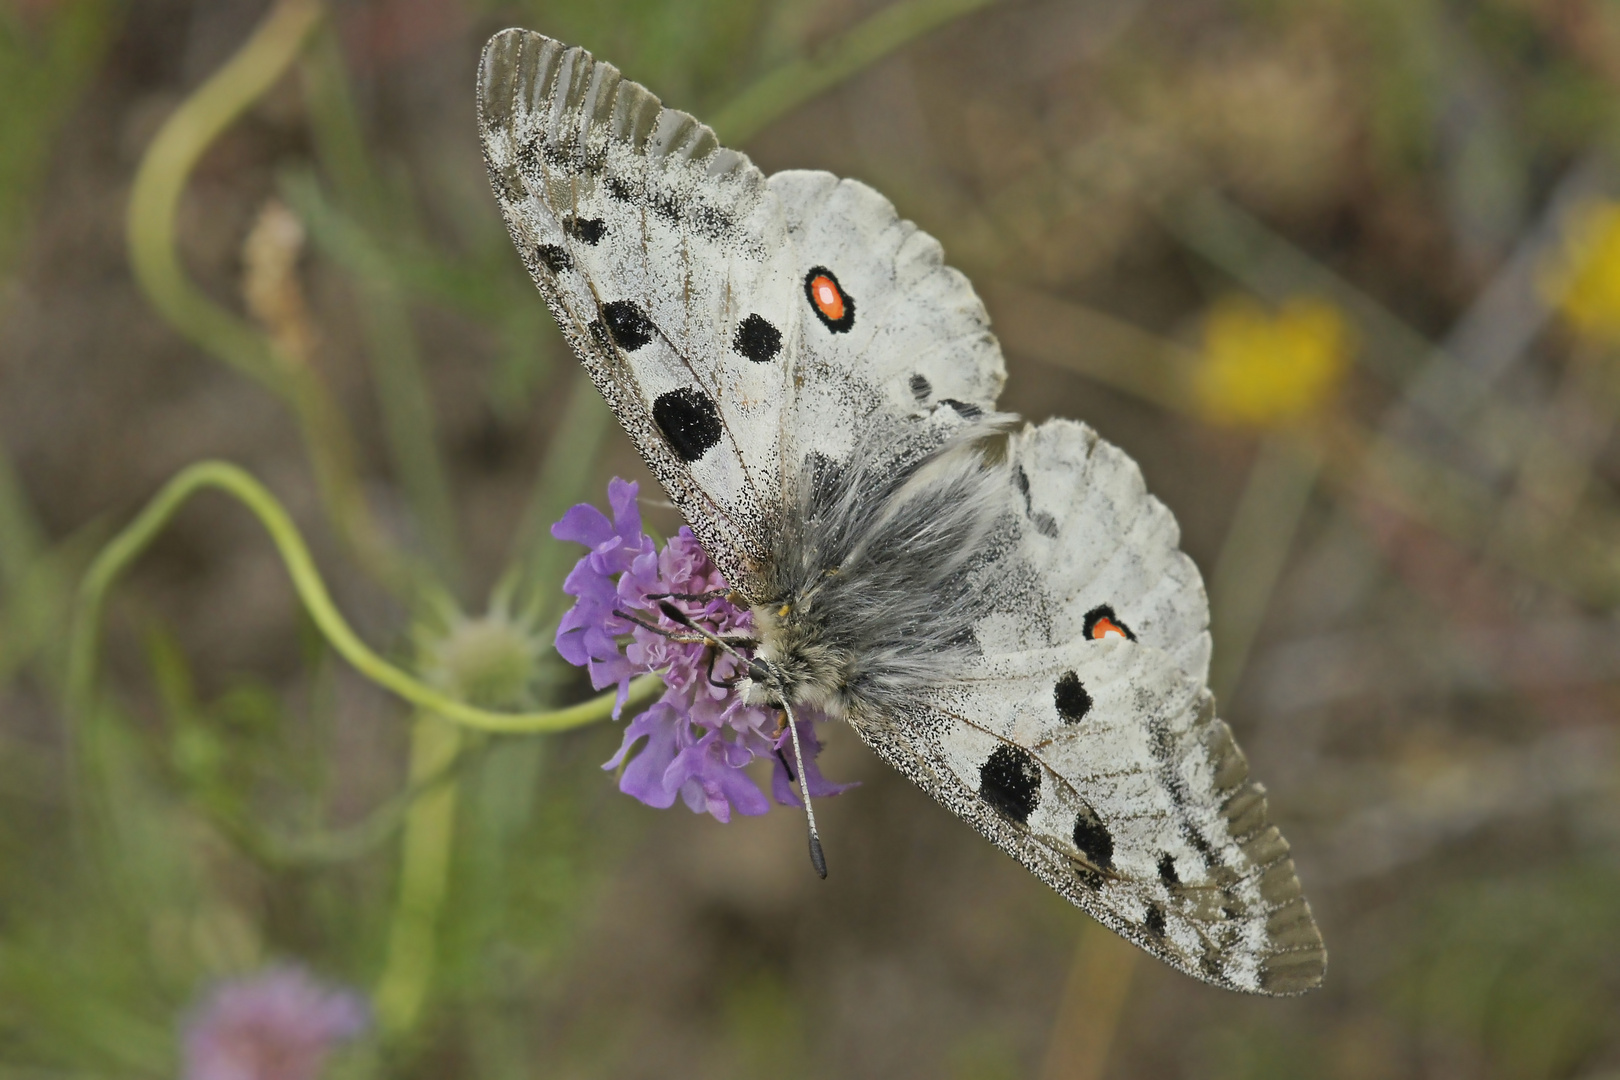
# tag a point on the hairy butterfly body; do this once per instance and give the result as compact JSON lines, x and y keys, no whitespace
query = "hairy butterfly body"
{"x":1001,"y":611}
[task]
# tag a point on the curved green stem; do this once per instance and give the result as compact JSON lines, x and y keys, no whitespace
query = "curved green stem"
{"x":793,"y":84}
{"x":125,"y":548}
{"x":154,"y":203}
{"x":161,"y":179}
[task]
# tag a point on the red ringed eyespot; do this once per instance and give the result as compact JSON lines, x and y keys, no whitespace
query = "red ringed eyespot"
{"x":829,"y":301}
{"x":833,"y":306}
{"x":1101,"y":622}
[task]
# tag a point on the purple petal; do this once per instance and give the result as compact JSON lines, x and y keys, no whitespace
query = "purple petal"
{"x":782,"y":788}
{"x":710,"y":777}
{"x":626,"y":511}
{"x":643,"y":778}
{"x":584,"y":524}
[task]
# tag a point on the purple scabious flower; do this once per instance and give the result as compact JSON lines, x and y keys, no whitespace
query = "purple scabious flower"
{"x":277,"y":1025}
{"x":698,"y":736}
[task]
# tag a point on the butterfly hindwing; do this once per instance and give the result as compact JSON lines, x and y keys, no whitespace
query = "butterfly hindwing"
{"x":1097,"y":554}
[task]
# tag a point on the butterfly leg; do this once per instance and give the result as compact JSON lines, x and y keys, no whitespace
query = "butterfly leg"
{"x":723,"y":684}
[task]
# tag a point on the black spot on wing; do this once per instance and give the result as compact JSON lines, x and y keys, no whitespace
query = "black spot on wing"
{"x":1167,"y":871}
{"x":757,"y":339}
{"x":629,"y":324}
{"x":1090,"y":878}
{"x":965,"y":409}
{"x":554,"y":258}
{"x":1092,"y":839}
{"x":1155,"y":920}
{"x":590,"y":230}
{"x":619,"y":189}
{"x":1010,"y":781}
{"x":920,"y":388}
{"x":1044,"y":523}
{"x":1071,"y":698}
{"x":689,"y":421}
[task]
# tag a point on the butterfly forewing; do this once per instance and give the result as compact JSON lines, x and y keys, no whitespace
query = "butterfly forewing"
{"x":654,"y":247}
{"x":889,"y":333}
{"x":1102,"y":767}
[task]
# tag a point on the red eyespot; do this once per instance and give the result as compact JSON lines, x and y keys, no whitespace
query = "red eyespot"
{"x":828,"y":300}
{"x":1105,"y":626}
{"x":1101,"y":622}
{"x":833,"y":306}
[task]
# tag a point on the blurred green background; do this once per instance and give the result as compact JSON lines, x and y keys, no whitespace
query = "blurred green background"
{"x":1343,"y":275}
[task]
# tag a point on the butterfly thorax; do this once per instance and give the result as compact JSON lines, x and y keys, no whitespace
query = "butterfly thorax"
{"x":871,"y":594}
{"x":811,"y":668}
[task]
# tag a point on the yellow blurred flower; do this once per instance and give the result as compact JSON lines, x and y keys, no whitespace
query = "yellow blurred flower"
{"x":1266,"y":368}
{"x":1582,"y":279}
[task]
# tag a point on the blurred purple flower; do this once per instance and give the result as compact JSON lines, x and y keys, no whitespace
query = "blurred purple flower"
{"x":699,"y":737}
{"x":277,"y":1025}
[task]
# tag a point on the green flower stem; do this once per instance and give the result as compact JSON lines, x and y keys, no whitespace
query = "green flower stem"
{"x":232,"y":480}
{"x":150,"y":231}
{"x":161,"y":179}
{"x":424,"y":878}
{"x":793,"y":84}
{"x":1255,"y":551}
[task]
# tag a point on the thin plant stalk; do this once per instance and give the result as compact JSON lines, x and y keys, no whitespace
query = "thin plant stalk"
{"x":116,"y":558}
{"x":154,"y":202}
{"x":424,"y":878}
{"x":1256,"y":549}
{"x":799,"y":81}
{"x":1088,"y":1013}
{"x":1548,"y":490}
{"x":531,"y":583}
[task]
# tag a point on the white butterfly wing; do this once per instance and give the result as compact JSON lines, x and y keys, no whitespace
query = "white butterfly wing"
{"x":1082,"y":740}
{"x":1096,"y":551}
{"x":665,"y":259}
{"x":906,"y":338}
{"x":1101,"y":767}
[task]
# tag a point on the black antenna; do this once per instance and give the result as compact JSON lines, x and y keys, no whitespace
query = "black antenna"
{"x":759,"y":669}
{"x":817,"y":859}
